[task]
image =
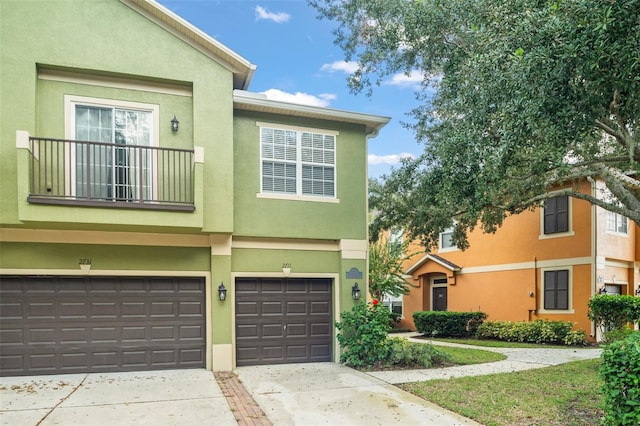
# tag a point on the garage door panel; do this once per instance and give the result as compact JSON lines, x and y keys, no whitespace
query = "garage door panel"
{"x":272,"y":330}
{"x":320,"y":330}
{"x":56,"y":326}
{"x":270,"y":335}
{"x":272,"y":308}
{"x":274,"y":353}
{"x":320,"y":308}
{"x":247,"y":331}
{"x":246,"y":308}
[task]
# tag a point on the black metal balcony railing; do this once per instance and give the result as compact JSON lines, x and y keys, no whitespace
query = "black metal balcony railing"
{"x":110,"y":175}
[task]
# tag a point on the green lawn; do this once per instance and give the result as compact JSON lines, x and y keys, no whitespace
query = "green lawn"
{"x":567,"y":394}
{"x":464,"y":356}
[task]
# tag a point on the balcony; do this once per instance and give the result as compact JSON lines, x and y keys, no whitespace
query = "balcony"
{"x":97,"y":174}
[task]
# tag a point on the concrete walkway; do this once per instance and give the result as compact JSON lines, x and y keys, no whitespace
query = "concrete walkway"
{"x":518,"y":359}
{"x":332,"y":394}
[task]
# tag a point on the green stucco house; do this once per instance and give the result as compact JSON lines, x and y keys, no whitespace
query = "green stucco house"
{"x":155,"y":213}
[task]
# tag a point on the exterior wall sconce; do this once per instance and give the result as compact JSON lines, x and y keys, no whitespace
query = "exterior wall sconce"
{"x":174,"y":124}
{"x":602,"y":290}
{"x":638,"y":291}
{"x":222,"y":292}
{"x":355,"y":292}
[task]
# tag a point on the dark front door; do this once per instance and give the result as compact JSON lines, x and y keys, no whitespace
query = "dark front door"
{"x":283,"y":320}
{"x":58,"y":325}
{"x":439,"y":298}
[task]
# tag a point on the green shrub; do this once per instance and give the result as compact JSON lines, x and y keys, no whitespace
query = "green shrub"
{"x":448,"y":324}
{"x":413,"y":355}
{"x":538,"y":331}
{"x":362,"y":333}
{"x":614,"y":311}
{"x":616,"y":334}
{"x":620,"y":371}
{"x":575,"y":338}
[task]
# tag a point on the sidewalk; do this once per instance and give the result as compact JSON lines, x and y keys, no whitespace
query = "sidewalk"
{"x":518,"y":359}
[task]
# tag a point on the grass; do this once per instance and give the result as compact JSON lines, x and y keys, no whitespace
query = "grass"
{"x":466,"y":356}
{"x":567,"y":394}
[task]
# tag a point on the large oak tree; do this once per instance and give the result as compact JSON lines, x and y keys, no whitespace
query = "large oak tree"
{"x":518,"y":97}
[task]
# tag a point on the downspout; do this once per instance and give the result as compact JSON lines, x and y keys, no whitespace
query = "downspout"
{"x":535,"y":289}
{"x":594,"y":248}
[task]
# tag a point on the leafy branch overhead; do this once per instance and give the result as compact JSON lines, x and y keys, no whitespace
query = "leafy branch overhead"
{"x":518,"y":97}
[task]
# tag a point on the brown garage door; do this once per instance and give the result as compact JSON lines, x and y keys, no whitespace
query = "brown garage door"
{"x":283,"y":321}
{"x":53,"y":325}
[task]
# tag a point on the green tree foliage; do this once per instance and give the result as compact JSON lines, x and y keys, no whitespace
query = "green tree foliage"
{"x":517,"y":97}
{"x":385,"y":267}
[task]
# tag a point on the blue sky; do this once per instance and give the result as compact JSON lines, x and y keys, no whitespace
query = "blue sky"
{"x":298,"y":62}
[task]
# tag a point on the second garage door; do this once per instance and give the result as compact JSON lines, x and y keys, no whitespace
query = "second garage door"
{"x":283,"y":321}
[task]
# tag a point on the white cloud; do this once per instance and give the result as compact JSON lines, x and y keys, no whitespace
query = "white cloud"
{"x":388,"y":159}
{"x":321,"y":100}
{"x":344,"y":66}
{"x":403,"y":80}
{"x":263,"y":13}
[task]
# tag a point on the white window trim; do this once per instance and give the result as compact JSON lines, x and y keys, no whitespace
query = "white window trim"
{"x":570,"y":309}
{"x":617,"y":233}
{"x":446,"y":249}
{"x":568,"y":233}
{"x":390,"y":299}
{"x":299,"y":197}
{"x":70,"y":102}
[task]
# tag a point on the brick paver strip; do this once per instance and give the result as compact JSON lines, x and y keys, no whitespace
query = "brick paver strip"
{"x":244,"y":408}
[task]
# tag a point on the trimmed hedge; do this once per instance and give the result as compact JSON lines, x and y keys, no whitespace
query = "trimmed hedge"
{"x":614,"y":311}
{"x":448,"y":324}
{"x":620,"y":371}
{"x":538,"y":331}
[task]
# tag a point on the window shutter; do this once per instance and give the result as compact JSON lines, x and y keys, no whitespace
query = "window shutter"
{"x":549,"y":290}
{"x":556,"y":215}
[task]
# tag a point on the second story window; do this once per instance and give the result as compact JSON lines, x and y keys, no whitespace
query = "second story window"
{"x":446,"y":240}
{"x":556,"y":215}
{"x":298,"y":162}
{"x":617,"y":223}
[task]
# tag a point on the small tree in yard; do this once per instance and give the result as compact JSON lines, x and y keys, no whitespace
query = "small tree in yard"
{"x":385,"y":267}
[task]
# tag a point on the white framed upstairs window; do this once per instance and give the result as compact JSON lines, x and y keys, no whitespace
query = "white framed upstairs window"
{"x":111,"y":168}
{"x":446,"y":241}
{"x":297,"y":162}
{"x":617,"y":223}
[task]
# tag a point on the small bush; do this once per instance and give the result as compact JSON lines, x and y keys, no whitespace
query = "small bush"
{"x":414,"y":355}
{"x":614,"y":311}
{"x":362,"y":333}
{"x":575,"y":338}
{"x":620,"y":371}
{"x":448,"y":324}
{"x":538,"y":331}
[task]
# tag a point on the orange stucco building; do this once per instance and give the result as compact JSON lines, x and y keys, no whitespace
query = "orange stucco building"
{"x":545,"y":263}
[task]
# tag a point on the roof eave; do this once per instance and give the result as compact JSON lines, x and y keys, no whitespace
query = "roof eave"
{"x":257,"y":102}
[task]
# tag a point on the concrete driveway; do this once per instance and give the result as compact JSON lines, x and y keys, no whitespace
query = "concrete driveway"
{"x":172,"y":397}
{"x":332,"y":394}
